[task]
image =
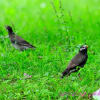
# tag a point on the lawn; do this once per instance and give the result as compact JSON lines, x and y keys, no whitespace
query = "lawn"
{"x":57,"y":28}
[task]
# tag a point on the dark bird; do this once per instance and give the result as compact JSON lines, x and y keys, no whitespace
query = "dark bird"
{"x":77,"y":62}
{"x":17,"y":41}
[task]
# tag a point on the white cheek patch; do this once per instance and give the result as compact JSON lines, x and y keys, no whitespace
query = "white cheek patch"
{"x":81,"y":49}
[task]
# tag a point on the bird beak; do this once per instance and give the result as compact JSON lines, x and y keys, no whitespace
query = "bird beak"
{"x":86,"y":46}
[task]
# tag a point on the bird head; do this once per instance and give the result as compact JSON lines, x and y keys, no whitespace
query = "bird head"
{"x":83,"y":48}
{"x":9,"y":28}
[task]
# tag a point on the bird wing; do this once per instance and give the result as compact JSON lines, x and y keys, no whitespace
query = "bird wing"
{"x":22,"y":42}
{"x":76,"y":61}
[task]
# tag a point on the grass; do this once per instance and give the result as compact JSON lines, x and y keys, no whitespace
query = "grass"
{"x":57,"y":29}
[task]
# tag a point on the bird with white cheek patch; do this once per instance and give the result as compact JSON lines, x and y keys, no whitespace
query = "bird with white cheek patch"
{"x":79,"y":60}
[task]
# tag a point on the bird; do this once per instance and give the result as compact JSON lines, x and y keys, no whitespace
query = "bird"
{"x":77,"y":61}
{"x":17,"y":41}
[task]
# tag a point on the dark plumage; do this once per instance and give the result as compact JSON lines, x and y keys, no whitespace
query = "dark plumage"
{"x":17,"y":41}
{"x":79,"y":60}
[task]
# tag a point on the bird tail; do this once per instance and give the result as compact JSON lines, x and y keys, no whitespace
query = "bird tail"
{"x":66,"y":72}
{"x":31,"y":46}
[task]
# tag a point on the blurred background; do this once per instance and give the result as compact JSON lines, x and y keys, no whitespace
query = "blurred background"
{"x":36,"y":17}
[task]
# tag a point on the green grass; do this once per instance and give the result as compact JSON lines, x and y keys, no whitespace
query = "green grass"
{"x":57,"y":32}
